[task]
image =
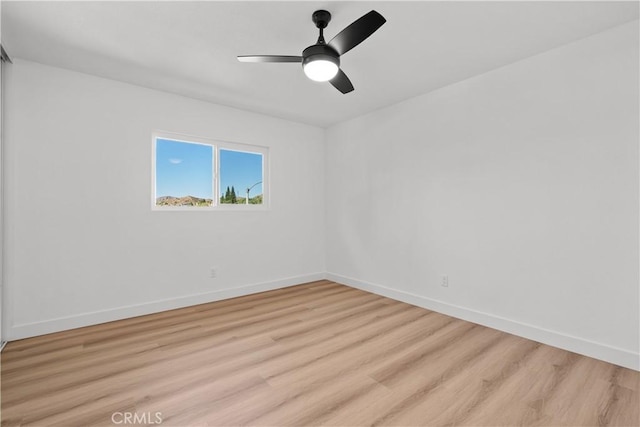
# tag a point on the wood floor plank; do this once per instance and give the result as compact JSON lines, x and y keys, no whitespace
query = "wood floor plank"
{"x":314,"y":354}
{"x":466,"y":393}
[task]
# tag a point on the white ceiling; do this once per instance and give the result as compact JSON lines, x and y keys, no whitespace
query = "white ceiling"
{"x":190,"y":48}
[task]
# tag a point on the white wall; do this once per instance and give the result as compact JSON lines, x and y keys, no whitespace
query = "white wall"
{"x":83,"y":245}
{"x":521,"y":184}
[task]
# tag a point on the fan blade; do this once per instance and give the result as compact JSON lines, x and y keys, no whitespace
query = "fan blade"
{"x":270,"y":58}
{"x":342,"y":82}
{"x":357,"y":32}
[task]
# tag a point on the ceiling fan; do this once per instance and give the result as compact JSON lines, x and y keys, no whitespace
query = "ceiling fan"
{"x":321,"y":61}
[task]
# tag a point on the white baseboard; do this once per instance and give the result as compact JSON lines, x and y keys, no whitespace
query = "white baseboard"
{"x":600,"y":351}
{"x":2,"y":344}
{"x":596,"y":350}
{"x":27,"y":330}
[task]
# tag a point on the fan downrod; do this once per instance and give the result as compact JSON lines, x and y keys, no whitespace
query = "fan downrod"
{"x":321,"y":18}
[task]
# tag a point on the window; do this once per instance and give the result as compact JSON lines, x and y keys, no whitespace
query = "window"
{"x":191,"y":173}
{"x":240,"y":177}
{"x":183,"y":173}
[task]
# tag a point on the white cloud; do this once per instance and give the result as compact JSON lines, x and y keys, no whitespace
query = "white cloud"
{"x":175,"y":161}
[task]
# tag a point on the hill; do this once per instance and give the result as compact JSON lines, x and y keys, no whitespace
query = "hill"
{"x":182,"y":201}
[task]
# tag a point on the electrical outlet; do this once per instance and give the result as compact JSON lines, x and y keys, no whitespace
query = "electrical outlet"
{"x":444,"y":281}
{"x":213,"y":273}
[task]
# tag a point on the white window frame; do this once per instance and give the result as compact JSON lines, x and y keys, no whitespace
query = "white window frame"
{"x":216,"y":145}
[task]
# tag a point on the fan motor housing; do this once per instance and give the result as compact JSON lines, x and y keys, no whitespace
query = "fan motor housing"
{"x":318,"y":52}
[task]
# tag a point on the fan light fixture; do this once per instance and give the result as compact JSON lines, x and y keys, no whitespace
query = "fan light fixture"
{"x":321,"y":69}
{"x":320,"y":62}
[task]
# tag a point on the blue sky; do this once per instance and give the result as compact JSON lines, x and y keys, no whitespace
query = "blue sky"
{"x":186,"y":169}
{"x":240,"y":170}
{"x":183,"y":169}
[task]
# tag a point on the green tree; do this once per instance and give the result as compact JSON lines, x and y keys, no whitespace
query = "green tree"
{"x":227,"y":196}
{"x":233,"y":195}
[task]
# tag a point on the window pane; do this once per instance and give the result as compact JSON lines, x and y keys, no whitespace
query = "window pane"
{"x":240,"y":175}
{"x":184,"y":173}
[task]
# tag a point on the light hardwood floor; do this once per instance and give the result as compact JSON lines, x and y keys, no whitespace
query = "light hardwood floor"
{"x":314,"y":354}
